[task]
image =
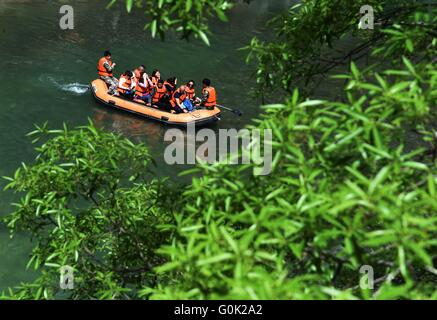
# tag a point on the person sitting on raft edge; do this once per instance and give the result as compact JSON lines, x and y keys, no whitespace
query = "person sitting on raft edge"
{"x":105,"y":68}
{"x":209,"y":95}
{"x":126,"y":85}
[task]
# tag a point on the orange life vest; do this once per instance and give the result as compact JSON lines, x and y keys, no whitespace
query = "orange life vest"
{"x":128,"y":83}
{"x":159,"y":93}
{"x":150,"y":86}
{"x":212,"y":97}
{"x":190,"y":93}
{"x":181,"y":98}
{"x":101,"y":68}
{"x":140,"y":91}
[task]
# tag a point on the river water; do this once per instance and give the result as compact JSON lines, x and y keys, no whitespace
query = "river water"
{"x":45,"y":72}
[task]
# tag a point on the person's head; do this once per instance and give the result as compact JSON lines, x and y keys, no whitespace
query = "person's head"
{"x":156,"y":73}
{"x":107,"y":54}
{"x":138,"y":72}
{"x":206,"y":83}
{"x":160,"y":83}
{"x":142,"y":68}
{"x":172,"y":80}
{"x":128,"y":73}
{"x":190,"y":84}
{"x":183,"y":87}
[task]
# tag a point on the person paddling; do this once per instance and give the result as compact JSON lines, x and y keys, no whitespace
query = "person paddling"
{"x":105,"y":68}
{"x":209,"y":95}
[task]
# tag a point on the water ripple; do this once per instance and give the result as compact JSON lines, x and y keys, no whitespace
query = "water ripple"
{"x":75,"y":87}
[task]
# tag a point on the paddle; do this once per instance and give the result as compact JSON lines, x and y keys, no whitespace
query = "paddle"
{"x":236,"y":111}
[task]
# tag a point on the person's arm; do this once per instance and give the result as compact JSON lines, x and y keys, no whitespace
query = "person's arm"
{"x":150,"y":82}
{"x":197,"y":99}
{"x":133,"y":83}
{"x":205,"y":96}
{"x":108,"y":67}
{"x":143,"y":84}
{"x":177,"y":98}
{"x":121,"y":84}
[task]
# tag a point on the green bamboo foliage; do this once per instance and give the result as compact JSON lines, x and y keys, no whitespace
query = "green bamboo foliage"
{"x":188,"y":18}
{"x":89,"y":203}
{"x":309,"y":35}
{"x":347,"y":190}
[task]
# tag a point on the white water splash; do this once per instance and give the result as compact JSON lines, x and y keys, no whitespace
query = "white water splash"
{"x":75,"y":88}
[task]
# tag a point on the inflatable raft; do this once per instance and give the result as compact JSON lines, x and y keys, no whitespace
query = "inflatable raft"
{"x":199,"y":117}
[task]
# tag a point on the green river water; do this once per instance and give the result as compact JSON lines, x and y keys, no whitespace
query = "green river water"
{"x":44,"y":74}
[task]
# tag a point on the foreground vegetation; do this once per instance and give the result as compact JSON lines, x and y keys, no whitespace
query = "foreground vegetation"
{"x":348,"y":188}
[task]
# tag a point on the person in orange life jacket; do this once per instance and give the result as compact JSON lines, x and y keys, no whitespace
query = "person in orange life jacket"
{"x":105,"y":68}
{"x":126,"y":85}
{"x":191,"y":96}
{"x":156,"y":76}
{"x":137,"y":74}
{"x":160,"y":96}
{"x":209,"y":95}
{"x":190,"y":90}
{"x":178,"y":98}
{"x":170,"y":84}
{"x":143,"y":85}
